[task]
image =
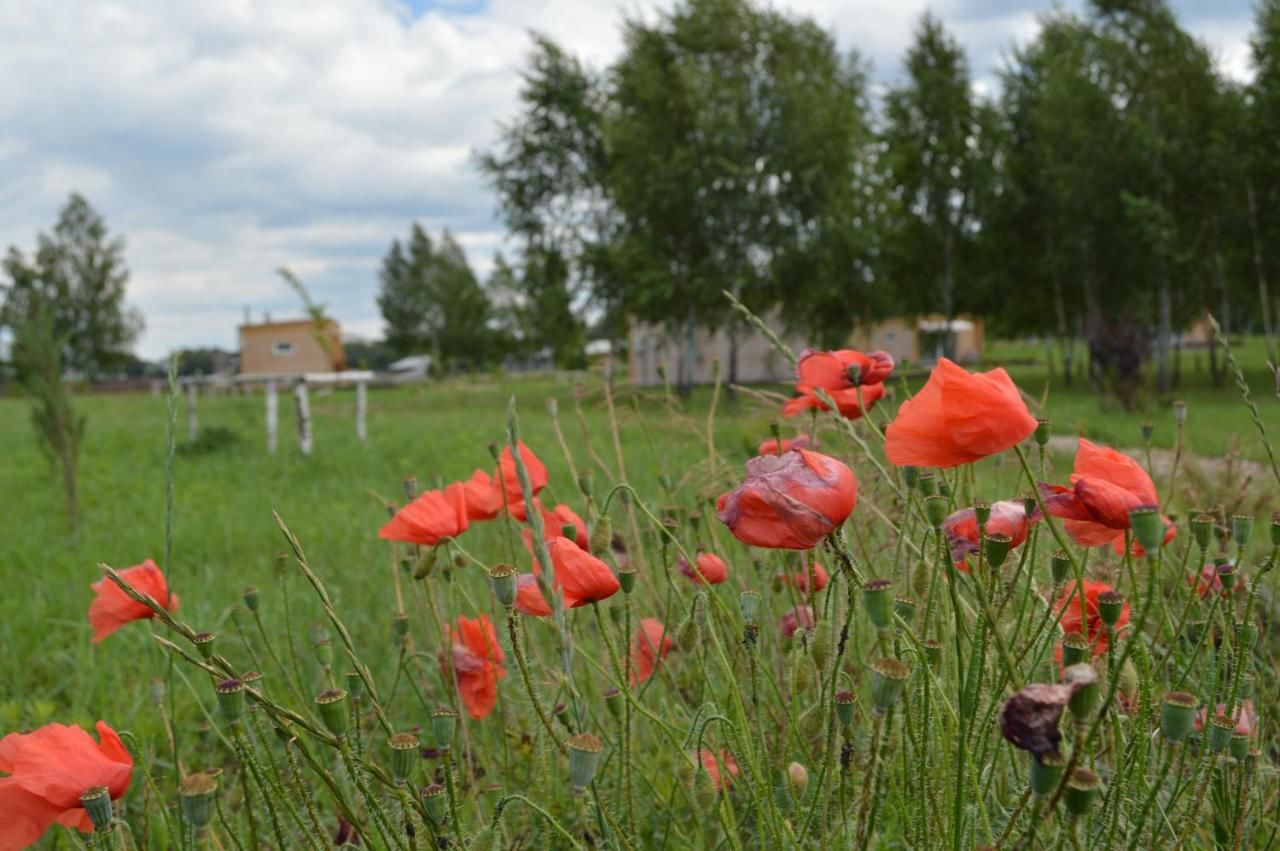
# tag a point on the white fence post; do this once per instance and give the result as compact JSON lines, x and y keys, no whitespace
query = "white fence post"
{"x":193,"y":418}
{"x":273,"y":416}
{"x":362,"y":407}
{"x":304,"y":417}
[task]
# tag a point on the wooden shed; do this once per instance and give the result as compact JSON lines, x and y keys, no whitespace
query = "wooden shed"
{"x":283,"y":349}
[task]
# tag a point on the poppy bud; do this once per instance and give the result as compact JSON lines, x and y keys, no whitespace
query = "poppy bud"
{"x":196,"y":794}
{"x":1110,"y":607}
{"x":905,"y":608}
{"x":820,"y":648}
{"x":1226,"y":575}
{"x":704,"y":790}
{"x":332,"y":706}
{"x":204,"y":643}
{"x":601,"y":535}
{"x":1148,"y":527}
{"x":1087,"y":690}
{"x":434,"y":802}
{"x":1220,"y":731}
{"x":1202,"y":530}
{"x":1046,"y":772}
{"x":789,"y":501}
{"x":444,"y":722}
{"x":933,"y":652}
{"x":355,"y":684}
{"x":699,"y":611}
{"x":1180,"y":412}
{"x":801,"y":671}
{"x":404,"y":755}
{"x":502,"y":578}
{"x":920,"y":578}
{"x":627,"y":577}
{"x":1081,"y":789}
{"x":1075,"y":649}
{"x":1030,"y":504}
{"x":561,"y":713}
{"x":928,"y":484}
{"x":982,"y":513}
{"x":230,"y":695}
{"x":1242,"y":529}
{"x":97,"y":803}
{"x":844,"y":707}
{"x":613,"y":702}
{"x":998,"y":549}
{"x":1043,"y":429}
{"x":585,"y":751}
{"x":485,"y":839}
{"x":879,"y":600}
{"x":324,"y":653}
{"x":409,"y":487}
{"x":749,"y":604}
{"x":911,"y":477}
{"x":1059,"y":566}
{"x":1147,"y":430}
{"x":935,"y":508}
{"x":888,"y":678}
{"x":1177,"y":716}
{"x":426,"y":562}
{"x":798,"y":777}
{"x":1239,"y":747}
{"x":399,"y":628}
{"x":250,"y":596}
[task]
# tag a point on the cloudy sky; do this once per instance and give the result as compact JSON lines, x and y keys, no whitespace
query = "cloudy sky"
{"x":225,"y":138}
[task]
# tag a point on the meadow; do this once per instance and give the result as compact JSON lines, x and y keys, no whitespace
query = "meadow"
{"x":679,"y":455}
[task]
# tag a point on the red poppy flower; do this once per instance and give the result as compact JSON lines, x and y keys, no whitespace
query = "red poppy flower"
{"x":649,"y":646}
{"x":789,"y":501}
{"x":712,"y":765}
{"x":477,"y":664}
{"x":112,"y":608}
{"x":770,"y":446}
{"x":484,"y":497}
{"x":1106,"y":485}
{"x":1246,"y":716}
{"x":43,"y":774}
{"x":958,"y":417}
{"x":508,"y":479}
{"x":711,"y":569}
{"x":1209,"y":582}
{"x":1090,"y":623}
{"x":529,"y":599}
{"x":1008,"y":517}
{"x":429,"y":519}
{"x":581,"y":577}
{"x":800,"y":579}
{"x":554,"y":523}
{"x":833,"y":372}
{"x":800,"y":617}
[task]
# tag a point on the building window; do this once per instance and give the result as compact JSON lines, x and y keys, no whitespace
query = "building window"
{"x":282,"y":347}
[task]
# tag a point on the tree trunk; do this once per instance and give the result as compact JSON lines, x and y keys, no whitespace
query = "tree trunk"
{"x":273,"y":416}
{"x":362,"y":409}
{"x":1164,"y":330}
{"x":948,"y":292}
{"x":303,"y":404}
{"x":1264,"y":298}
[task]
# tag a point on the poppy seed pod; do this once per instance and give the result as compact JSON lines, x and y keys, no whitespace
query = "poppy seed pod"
{"x":1059,"y":566}
{"x":601,"y":535}
{"x":1248,"y":683}
{"x":502,"y":578}
{"x":231,"y":700}
{"x":1148,"y":527}
{"x":1202,"y":530}
{"x":251,"y":677}
{"x":97,"y":803}
{"x":911,"y":477}
{"x":998,"y":549}
{"x":204,"y":643}
{"x":879,"y":601}
{"x":1226,"y":573}
{"x":324,"y":653}
{"x":888,"y":678}
{"x":935,"y":508}
{"x":627,"y":577}
{"x":1087,"y":690}
{"x":404,"y":755}
{"x":982,"y":512}
{"x":250,"y":597}
{"x":1220,"y":731}
{"x":585,"y":751}
{"x":444,"y":723}
{"x":613,"y":701}
{"x":332,"y":706}
{"x":1043,"y":429}
{"x":933,"y":652}
{"x":749,"y":605}
{"x":844,"y":707}
{"x":905,"y":608}
{"x":399,"y":628}
{"x":196,"y":794}
{"x":1081,"y":789}
{"x":1075,"y":648}
{"x":1177,"y":716}
{"x":1046,"y":772}
{"x":1110,"y":606}
{"x":1241,"y":529}
{"x":1239,"y":747}
{"x":434,"y":801}
{"x":355,"y":684}
{"x":928,"y":483}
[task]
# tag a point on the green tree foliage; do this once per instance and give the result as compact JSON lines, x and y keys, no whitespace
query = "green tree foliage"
{"x":433,"y":303}
{"x":1262,"y":163}
{"x":78,"y":272}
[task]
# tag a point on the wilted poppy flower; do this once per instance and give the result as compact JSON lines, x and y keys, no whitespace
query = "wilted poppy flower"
{"x":770,"y":446}
{"x":958,"y":417}
{"x":1246,"y":717}
{"x":842,"y":375}
{"x":649,"y":646}
{"x":800,"y":617}
{"x":800,"y":579}
{"x":1029,"y":718}
{"x":1008,"y":517}
{"x":1089,"y":624}
{"x":43,"y":774}
{"x":789,"y":501}
{"x":580,"y":576}
{"x":708,"y":761}
{"x":529,"y":599}
{"x":711,"y":569}
{"x":553,"y":524}
{"x":1106,"y":486}
{"x":508,"y":479}
{"x":484,"y":498}
{"x":477,"y":664}
{"x":429,"y":519}
{"x":112,"y":608}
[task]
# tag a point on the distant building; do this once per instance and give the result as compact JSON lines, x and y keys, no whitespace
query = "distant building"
{"x":921,"y":340}
{"x":289,"y":349}
{"x":410,"y":369}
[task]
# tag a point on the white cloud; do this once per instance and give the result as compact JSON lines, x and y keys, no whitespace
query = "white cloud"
{"x":225,"y":138}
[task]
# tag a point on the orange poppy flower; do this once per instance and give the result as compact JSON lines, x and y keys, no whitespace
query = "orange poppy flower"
{"x":1008,"y":517}
{"x":43,"y":774}
{"x":800,"y":579}
{"x":709,"y":762}
{"x":484,"y":497}
{"x":841,"y":374}
{"x":529,"y":599}
{"x":958,"y":417}
{"x":554,"y":523}
{"x":580,"y":577}
{"x":770,"y":446}
{"x":1106,"y":485}
{"x":800,"y":617}
{"x":508,"y":480}
{"x":477,"y":664}
{"x":112,"y":608}
{"x":789,"y":501}
{"x":429,"y":519}
{"x":711,"y":569}
{"x":1089,"y":624}
{"x":649,"y":646}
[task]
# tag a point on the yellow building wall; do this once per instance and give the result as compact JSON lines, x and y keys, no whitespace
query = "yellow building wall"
{"x":260,"y":353}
